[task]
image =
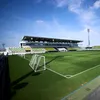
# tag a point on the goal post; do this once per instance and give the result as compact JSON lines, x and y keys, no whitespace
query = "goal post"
{"x":37,"y":63}
{"x":22,"y":55}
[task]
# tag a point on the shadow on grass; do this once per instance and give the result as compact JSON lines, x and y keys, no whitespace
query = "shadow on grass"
{"x":17,"y":87}
{"x":31,"y":73}
{"x":21,"y":78}
{"x":53,"y":59}
{"x":36,"y":74}
{"x":20,"y":86}
{"x":13,"y":92}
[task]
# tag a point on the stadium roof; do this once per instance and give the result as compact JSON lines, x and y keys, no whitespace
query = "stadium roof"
{"x":33,"y":38}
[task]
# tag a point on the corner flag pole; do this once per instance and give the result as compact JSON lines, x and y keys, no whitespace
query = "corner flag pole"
{"x":88,"y":30}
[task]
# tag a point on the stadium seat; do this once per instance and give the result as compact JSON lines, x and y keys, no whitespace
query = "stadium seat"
{"x":17,"y":50}
{"x":71,"y":49}
{"x":28,"y":49}
{"x":50,"y":49}
{"x":38,"y":50}
{"x":96,"y":47}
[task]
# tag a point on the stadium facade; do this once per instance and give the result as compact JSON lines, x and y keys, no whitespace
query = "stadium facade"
{"x":48,"y":42}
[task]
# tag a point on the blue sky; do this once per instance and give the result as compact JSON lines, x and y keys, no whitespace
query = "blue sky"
{"x":68,"y":19}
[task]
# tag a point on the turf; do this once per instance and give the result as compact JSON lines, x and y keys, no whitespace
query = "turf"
{"x":26,"y":85}
{"x":72,"y":63}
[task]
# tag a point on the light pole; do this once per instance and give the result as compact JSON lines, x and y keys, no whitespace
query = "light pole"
{"x":3,"y":45}
{"x":88,"y":30}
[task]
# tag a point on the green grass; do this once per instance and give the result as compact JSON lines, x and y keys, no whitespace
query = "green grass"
{"x":48,"y":85}
{"x":72,"y":62}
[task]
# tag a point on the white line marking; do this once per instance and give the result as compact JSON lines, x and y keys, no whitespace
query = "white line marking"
{"x":49,"y":69}
{"x":56,"y":72}
{"x":69,"y":76}
{"x":85,"y":71}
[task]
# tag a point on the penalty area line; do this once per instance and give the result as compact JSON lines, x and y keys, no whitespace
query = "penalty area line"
{"x":49,"y":69}
{"x":84,"y":71}
{"x":56,"y":72}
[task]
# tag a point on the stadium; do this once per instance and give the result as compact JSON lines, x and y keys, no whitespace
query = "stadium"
{"x":45,"y":68}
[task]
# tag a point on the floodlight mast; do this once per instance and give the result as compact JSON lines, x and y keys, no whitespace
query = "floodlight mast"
{"x":88,"y":30}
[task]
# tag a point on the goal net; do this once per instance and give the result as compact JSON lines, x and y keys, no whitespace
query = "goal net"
{"x":37,"y":63}
{"x":22,"y":55}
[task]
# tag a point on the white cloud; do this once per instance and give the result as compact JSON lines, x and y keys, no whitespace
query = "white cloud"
{"x":39,"y":21}
{"x":87,"y":17}
{"x":97,"y":4}
{"x":61,"y":3}
{"x":74,"y":5}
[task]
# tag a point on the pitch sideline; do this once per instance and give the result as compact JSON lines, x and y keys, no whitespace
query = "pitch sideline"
{"x":71,"y":76}
{"x":56,"y":72}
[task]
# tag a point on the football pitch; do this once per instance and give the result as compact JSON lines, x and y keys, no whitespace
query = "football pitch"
{"x":66,"y":71}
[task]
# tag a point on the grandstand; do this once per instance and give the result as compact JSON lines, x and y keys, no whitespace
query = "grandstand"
{"x":96,"y":47}
{"x":31,"y":44}
{"x":37,"y":50}
{"x":43,"y":44}
{"x":16,"y":50}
